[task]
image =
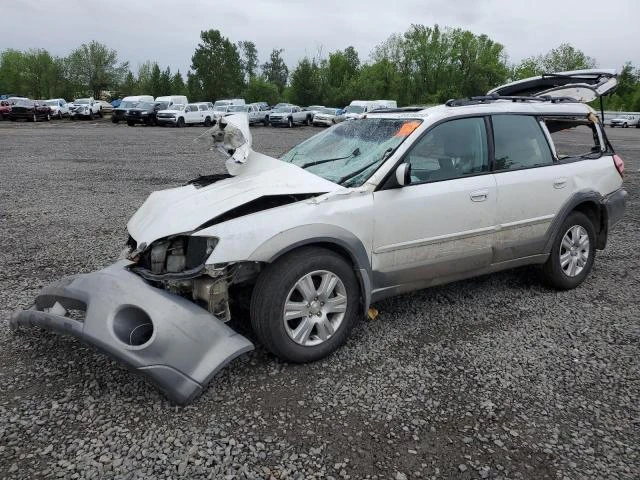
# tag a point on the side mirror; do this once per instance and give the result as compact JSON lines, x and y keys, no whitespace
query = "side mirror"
{"x":403,"y":174}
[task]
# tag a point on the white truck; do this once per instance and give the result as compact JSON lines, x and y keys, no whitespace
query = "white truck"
{"x":179,"y":115}
{"x":84,"y":107}
{"x":290,"y":115}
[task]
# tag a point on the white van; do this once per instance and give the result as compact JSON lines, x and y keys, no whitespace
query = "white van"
{"x":387,"y":104}
{"x":229,"y":101}
{"x":171,"y":99}
{"x":359,"y":108}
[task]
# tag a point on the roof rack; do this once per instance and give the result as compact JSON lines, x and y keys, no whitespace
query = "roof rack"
{"x":494,"y":97}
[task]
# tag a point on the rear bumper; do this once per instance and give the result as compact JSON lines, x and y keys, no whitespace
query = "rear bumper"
{"x":615,"y":204}
{"x":170,"y":340}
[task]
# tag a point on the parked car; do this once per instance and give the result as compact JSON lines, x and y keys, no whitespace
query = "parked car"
{"x":5,"y":109}
{"x":59,"y":107}
{"x":84,"y":108}
{"x":144,"y":113}
{"x":625,"y":121}
{"x":398,"y":201}
{"x":290,"y":116}
{"x":32,"y":110}
{"x":132,"y":101}
{"x":183,"y":115}
{"x":258,"y":114}
{"x":173,"y":99}
{"x":229,"y":101}
{"x":327,"y":117}
{"x":105,"y":107}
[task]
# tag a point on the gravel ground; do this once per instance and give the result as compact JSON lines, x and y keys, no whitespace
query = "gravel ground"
{"x":496,"y":377}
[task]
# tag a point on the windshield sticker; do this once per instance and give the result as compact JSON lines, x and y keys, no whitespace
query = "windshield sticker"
{"x":407,"y":129}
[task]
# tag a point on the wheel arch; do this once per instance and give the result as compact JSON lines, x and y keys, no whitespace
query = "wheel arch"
{"x":333,"y":238}
{"x":588,"y":203}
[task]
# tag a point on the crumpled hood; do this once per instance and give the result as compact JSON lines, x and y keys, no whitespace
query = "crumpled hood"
{"x":184,"y":209}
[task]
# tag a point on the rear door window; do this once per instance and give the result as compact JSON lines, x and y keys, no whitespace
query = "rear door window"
{"x":519,"y":143}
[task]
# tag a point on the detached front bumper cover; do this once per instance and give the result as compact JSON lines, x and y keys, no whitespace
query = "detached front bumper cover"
{"x":170,"y":340}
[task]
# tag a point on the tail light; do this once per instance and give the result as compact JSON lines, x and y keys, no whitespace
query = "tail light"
{"x":619,"y":163}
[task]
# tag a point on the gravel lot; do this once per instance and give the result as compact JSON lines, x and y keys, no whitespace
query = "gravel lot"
{"x":497,"y":377}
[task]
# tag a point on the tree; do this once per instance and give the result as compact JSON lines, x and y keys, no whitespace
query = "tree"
{"x":217,"y":68}
{"x":93,"y":67}
{"x":154,"y":87}
{"x":12,"y":72}
{"x":129,"y":86}
{"x":304,"y":83}
{"x":177,"y":84}
{"x":561,"y":59}
{"x":275,"y":70}
{"x":249,"y":59}
{"x":260,"y":90}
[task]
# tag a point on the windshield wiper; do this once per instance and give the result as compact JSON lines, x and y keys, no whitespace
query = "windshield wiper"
{"x":355,"y":153}
{"x":385,"y":155}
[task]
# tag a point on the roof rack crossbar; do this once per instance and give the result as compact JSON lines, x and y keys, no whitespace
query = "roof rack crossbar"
{"x":495,"y":97}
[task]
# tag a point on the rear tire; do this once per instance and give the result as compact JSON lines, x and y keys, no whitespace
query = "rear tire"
{"x":131,"y":124}
{"x":277,"y":287}
{"x":567,"y":266}
{"x":114,"y":120}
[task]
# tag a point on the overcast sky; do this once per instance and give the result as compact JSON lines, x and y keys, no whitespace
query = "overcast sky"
{"x":167,"y":31}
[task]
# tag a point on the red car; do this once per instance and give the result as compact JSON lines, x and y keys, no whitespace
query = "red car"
{"x":5,"y":109}
{"x":32,"y":110}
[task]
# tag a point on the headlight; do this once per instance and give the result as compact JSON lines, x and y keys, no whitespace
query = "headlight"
{"x":177,"y":254}
{"x":145,"y":113}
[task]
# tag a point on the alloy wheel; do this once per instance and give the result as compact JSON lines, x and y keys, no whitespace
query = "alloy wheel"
{"x":315,"y":308}
{"x":574,"y":251}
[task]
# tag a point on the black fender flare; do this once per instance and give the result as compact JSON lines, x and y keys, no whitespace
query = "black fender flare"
{"x":569,"y":206}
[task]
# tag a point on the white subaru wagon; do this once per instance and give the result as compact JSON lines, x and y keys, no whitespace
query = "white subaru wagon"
{"x":398,"y":201}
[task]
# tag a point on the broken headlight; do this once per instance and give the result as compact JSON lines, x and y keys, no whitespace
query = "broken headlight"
{"x":177,"y":254}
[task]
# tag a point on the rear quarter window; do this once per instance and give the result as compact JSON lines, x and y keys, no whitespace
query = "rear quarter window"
{"x":573,"y":137}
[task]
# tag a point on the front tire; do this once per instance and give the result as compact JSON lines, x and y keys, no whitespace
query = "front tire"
{"x":572,"y":254}
{"x":131,"y":124}
{"x":207,"y":122}
{"x":305,"y":304}
{"x":180,"y":122}
{"x":290,"y":122}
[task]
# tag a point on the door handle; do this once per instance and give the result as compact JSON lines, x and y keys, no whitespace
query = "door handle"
{"x":479,"y":195}
{"x":560,"y":182}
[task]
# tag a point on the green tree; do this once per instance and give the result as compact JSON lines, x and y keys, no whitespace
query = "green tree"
{"x":561,"y":59}
{"x":249,"y":59}
{"x":217,"y":68}
{"x":275,"y":70}
{"x":130,"y":85}
{"x":93,"y":67}
{"x":177,"y":84}
{"x":304,"y":88}
{"x":154,"y":86}
{"x":12,"y":72}
{"x":260,"y":90}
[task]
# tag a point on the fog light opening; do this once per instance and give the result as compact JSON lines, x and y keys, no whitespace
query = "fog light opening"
{"x":133,"y":326}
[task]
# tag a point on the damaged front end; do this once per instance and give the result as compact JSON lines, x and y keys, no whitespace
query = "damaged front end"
{"x":160,"y":310}
{"x":176,"y":344}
